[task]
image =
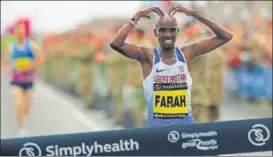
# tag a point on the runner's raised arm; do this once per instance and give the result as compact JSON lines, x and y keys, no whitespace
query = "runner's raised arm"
{"x":129,"y":50}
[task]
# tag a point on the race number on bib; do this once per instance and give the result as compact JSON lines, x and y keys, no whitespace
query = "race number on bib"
{"x":22,"y":63}
{"x":170,"y":100}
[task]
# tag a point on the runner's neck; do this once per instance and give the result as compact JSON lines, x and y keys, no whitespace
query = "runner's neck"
{"x":20,"y":40}
{"x":167,"y":53}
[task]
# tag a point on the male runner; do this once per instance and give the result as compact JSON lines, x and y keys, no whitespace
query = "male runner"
{"x":20,"y":61}
{"x":166,"y":70}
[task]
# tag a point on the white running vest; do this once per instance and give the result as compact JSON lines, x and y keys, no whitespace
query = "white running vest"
{"x":167,"y":89}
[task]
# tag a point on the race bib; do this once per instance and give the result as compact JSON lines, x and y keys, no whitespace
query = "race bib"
{"x":22,"y":63}
{"x":170,"y":100}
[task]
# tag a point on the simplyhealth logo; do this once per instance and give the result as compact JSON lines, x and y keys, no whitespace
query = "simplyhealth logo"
{"x":32,"y":149}
{"x":258,"y":135}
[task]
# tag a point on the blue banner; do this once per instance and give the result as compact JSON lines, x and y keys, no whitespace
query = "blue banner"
{"x":201,"y":139}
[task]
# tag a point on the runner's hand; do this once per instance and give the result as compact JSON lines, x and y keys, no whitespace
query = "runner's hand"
{"x":144,"y":13}
{"x":181,"y":9}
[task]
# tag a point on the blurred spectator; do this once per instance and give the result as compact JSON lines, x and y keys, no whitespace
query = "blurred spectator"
{"x":214,"y":76}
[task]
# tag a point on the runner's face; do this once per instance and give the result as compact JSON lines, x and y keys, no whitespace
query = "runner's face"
{"x":167,"y":32}
{"x":19,"y":30}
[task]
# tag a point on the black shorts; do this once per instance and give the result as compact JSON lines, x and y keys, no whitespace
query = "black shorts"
{"x":23,"y":85}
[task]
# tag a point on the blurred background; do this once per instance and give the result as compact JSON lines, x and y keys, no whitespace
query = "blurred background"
{"x":87,"y":86}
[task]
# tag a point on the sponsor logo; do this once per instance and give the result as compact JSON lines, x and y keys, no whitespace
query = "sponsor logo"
{"x":173,"y":136}
{"x":201,"y":144}
{"x":161,"y":70}
{"x":258,"y":135}
{"x":32,"y":149}
{"x":198,"y":134}
{"x":203,"y":141}
{"x":157,"y":87}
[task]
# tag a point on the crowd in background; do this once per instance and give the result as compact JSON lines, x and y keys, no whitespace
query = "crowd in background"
{"x":82,"y":63}
{"x":249,"y":59}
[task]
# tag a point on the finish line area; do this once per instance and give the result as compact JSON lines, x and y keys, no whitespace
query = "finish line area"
{"x":218,"y":138}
